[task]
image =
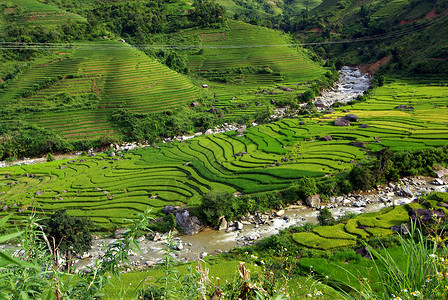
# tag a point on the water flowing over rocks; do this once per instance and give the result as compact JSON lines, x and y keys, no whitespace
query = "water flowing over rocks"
{"x":351,"y":83}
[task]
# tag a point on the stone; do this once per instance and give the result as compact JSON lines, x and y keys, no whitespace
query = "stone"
{"x":441,"y":173}
{"x":7,"y":176}
{"x":119,"y":233}
{"x":364,"y":253}
{"x":157,"y":237}
{"x":426,"y":215}
{"x":437,"y":181}
{"x":203,"y":254}
{"x":329,"y":111}
{"x":326,"y":138}
{"x":341,"y":122}
{"x":280,"y":213}
{"x":407,"y":192}
{"x":301,"y":123}
{"x":38,"y":193}
{"x":239,"y":225}
{"x":358,"y":144}
{"x":169,"y":209}
{"x":112,"y":154}
{"x":223,"y":225}
{"x":179,"y":246}
{"x":231,"y":229}
{"x":209,"y":131}
{"x":313,"y":200}
{"x":351,"y":118}
{"x":190,"y":224}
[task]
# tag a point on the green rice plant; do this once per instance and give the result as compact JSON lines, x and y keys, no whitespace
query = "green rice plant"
{"x":315,"y":241}
{"x":352,"y":227}
{"x":336,"y":232}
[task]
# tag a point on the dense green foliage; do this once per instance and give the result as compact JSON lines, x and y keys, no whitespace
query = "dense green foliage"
{"x":69,"y":235}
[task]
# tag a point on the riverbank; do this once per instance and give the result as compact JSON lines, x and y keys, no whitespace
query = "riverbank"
{"x":210,"y":242}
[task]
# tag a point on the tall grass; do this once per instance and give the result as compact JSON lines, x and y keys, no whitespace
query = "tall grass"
{"x":418,"y":273}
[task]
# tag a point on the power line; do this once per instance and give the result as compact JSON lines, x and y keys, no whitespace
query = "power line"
{"x":100,"y":46}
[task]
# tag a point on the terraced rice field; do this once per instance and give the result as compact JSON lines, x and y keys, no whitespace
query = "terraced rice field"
{"x":229,"y":52}
{"x":364,"y":226}
{"x":267,"y":157}
{"x":39,"y":13}
{"x":120,"y":75}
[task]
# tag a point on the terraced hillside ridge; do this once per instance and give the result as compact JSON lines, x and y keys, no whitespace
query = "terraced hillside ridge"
{"x":265,"y":9}
{"x":36,"y":12}
{"x":116,"y":73}
{"x":245,"y":66}
{"x":267,"y":157}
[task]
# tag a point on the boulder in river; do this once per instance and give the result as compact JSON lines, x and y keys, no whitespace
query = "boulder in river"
{"x":280,"y":213}
{"x":313,"y":200}
{"x":223,"y":225}
{"x":407,"y":192}
{"x":190,"y":224}
{"x":437,"y":181}
{"x":341,"y":122}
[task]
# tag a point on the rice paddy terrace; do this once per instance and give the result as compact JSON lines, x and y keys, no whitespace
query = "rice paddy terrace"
{"x":38,"y":13}
{"x":245,"y":66}
{"x":267,"y":157}
{"x":121,"y":77}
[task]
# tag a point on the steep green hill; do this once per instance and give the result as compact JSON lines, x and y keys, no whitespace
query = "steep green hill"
{"x":115,"y":74}
{"x":245,"y":66}
{"x":412,"y":34}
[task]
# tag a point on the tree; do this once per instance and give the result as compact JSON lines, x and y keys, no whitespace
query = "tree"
{"x":325,"y":217}
{"x":50,"y":157}
{"x":68,"y":235}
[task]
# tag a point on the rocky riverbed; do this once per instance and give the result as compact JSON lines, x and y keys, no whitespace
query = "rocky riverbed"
{"x":350,"y":85}
{"x":252,"y":228}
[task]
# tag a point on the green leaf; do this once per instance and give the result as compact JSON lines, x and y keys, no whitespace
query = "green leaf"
{"x":4,"y":219}
{"x":4,"y":238}
{"x":5,"y":260}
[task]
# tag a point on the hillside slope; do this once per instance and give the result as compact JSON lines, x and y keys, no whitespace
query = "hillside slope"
{"x":115,"y":74}
{"x":412,"y":34}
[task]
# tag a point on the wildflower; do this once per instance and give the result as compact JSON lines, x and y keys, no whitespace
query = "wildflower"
{"x":432,"y":255}
{"x":365,"y":279}
{"x":326,"y":276}
{"x":318,"y":293}
{"x":439,"y":274}
{"x":405,"y":290}
{"x":428,"y":279}
{"x":217,"y":278}
{"x":309,"y":295}
{"x":415,"y":293}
